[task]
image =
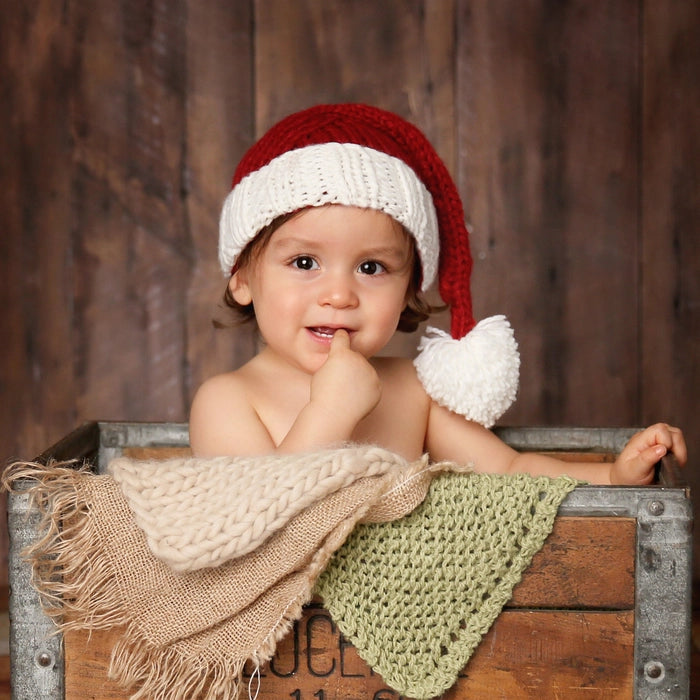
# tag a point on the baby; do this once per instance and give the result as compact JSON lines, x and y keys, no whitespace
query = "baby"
{"x":339,"y":220}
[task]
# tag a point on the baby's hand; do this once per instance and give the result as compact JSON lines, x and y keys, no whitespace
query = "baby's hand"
{"x":636,"y":462}
{"x":346,"y":382}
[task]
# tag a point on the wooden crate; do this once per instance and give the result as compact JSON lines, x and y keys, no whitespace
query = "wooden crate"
{"x":603,"y":611}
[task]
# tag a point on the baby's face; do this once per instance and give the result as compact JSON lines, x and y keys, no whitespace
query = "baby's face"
{"x":327,"y":268}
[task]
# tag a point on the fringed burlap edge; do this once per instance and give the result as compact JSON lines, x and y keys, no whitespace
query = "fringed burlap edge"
{"x":75,"y":585}
{"x":77,"y":589}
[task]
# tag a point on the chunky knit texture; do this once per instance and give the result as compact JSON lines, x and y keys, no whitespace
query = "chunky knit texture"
{"x":331,"y":173}
{"x":201,"y":512}
{"x":416,"y":595}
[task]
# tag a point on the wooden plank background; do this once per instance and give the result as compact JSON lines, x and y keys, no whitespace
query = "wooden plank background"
{"x":571,"y":128}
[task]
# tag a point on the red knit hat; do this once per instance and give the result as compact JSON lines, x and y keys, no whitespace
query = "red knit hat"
{"x":362,"y":156}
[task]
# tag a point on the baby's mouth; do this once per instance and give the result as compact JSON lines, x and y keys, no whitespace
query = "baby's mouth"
{"x":326,"y":331}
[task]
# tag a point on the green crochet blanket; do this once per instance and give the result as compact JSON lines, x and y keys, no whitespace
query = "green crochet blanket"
{"x":416,"y":595}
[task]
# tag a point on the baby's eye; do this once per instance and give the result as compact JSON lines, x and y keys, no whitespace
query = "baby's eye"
{"x":305,"y":262}
{"x":371,"y":267}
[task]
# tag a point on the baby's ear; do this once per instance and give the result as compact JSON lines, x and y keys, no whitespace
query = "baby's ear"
{"x":238,"y":286}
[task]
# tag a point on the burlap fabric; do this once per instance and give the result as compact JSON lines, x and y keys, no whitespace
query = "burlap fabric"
{"x":189,"y":631}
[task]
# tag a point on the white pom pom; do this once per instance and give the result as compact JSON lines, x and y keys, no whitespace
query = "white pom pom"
{"x":475,"y":376}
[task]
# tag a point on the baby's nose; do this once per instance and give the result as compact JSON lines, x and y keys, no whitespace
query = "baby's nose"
{"x":338,"y":291}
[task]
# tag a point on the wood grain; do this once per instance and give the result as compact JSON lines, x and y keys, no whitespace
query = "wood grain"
{"x":38,"y":64}
{"x":220,"y":108}
{"x":130,"y":240}
{"x":586,"y":562}
{"x":670,"y":312}
{"x":548,"y":135}
{"x":526,"y":654}
{"x":157,"y":452}
{"x":552,"y":655}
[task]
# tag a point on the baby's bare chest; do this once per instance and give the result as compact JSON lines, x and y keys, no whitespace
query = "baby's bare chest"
{"x":397,"y":423}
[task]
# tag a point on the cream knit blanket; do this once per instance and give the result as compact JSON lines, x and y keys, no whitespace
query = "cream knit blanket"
{"x":241,"y":540}
{"x":199,"y":513}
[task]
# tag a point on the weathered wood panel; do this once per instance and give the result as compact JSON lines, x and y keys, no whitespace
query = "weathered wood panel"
{"x":124,"y":124}
{"x":130,"y":237}
{"x":584,"y":563}
{"x":398,"y":55}
{"x":552,"y":655}
{"x":526,"y":654}
{"x":157,"y":452}
{"x":220,"y":108}
{"x":670,"y":289}
{"x":548,"y":124}
{"x":37,"y":62}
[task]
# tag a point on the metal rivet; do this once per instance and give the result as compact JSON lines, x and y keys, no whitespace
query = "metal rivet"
{"x":44,"y":659}
{"x":654,"y":671}
{"x":656,"y":507}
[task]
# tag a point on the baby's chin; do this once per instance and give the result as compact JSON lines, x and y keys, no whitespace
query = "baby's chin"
{"x":311,"y":365}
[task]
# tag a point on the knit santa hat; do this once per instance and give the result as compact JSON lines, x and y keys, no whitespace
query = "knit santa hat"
{"x":357,"y":155}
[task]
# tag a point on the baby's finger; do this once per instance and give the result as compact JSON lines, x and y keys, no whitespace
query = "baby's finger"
{"x":678,"y":446}
{"x":341,"y":340}
{"x":640,"y":468}
{"x":657,"y":434}
{"x":647,"y":460}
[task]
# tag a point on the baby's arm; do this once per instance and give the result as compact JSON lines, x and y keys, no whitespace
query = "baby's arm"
{"x":450,"y":437}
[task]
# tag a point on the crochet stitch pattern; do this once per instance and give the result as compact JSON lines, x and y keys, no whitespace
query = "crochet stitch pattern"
{"x":416,"y":595}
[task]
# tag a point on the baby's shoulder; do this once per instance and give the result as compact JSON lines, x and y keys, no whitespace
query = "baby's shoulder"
{"x":219,"y":385}
{"x":220,"y":414}
{"x":232,"y":391}
{"x":218,"y":393}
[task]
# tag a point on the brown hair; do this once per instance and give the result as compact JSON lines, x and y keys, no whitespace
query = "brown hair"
{"x":416,"y":311}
